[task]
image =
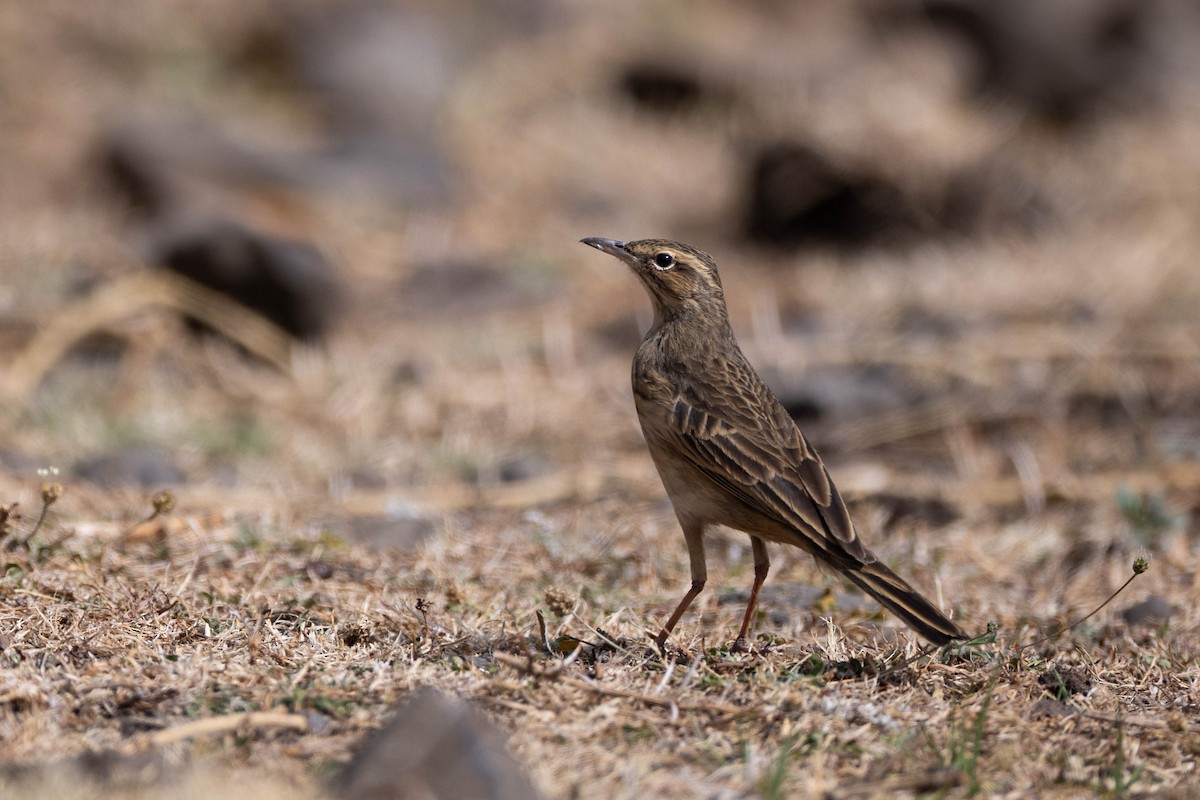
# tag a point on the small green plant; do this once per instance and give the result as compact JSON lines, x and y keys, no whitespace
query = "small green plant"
{"x":963,"y":748}
{"x":249,"y":538}
{"x":1060,"y":691}
{"x":1148,"y":515}
{"x":638,"y":734}
{"x":1122,"y":782}
{"x":798,"y":744}
{"x":811,"y":666}
{"x":238,"y":437}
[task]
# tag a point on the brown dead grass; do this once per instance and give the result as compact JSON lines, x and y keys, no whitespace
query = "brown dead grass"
{"x":1070,"y":375}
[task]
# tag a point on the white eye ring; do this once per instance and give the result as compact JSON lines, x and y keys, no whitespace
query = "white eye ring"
{"x":664,"y":260}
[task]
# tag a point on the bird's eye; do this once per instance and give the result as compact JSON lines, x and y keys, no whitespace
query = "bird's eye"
{"x":664,"y":260}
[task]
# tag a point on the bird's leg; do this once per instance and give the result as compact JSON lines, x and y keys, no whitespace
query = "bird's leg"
{"x":694,"y":536}
{"x":762,"y":563}
{"x":661,"y":639}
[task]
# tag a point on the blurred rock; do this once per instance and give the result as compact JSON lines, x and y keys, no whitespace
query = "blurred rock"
{"x":823,"y":392}
{"x":465,"y":289}
{"x":373,"y":68}
{"x":782,"y":601}
{"x":1154,"y":610}
{"x":522,"y":467}
{"x":99,"y":769}
{"x":176,"y":177}
{"x":148,"y":467}
{"x":670,"y":87}
{"x":318,"y":723}
{"x":1079,"y":555}
{"x":435,"y":748}
{"x":622,"y":334}
{"x":400,"y":531}
{"x":1107,"y":408}
{"x":988,"y":197}
{"x":1063,"y":59}
{"x":797,"y":196}
{"x":16,"y":461}
{"x":899,"y":509}
{"x":380,"y":75}
{"x":131,"y":156}
{"x":915,"y":322}
{"x":288,"y":282}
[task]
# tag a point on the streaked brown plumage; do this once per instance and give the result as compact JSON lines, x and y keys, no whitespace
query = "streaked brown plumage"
{"x":727,"y":451}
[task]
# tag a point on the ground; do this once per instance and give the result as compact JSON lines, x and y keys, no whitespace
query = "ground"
{"x":1009,"y":403}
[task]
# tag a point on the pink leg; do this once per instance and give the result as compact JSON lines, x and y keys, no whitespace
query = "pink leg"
{"x":694,"y":536}
{"x":762,"y":564}
{"x":697,"y":587}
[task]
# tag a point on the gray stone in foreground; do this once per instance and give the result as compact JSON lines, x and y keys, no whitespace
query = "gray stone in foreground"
{"x":436,"y":746}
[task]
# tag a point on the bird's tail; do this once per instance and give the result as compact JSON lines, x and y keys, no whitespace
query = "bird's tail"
{"x":894,"y":594}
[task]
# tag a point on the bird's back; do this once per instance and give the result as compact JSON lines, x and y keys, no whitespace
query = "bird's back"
{"x":702,"y":403}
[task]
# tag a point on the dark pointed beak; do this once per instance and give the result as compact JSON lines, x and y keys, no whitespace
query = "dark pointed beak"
{"x":612,"y":247}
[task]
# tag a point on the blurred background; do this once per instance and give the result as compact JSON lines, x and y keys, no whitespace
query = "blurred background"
{"x":314,"y":266}
{"x":958,"y":238}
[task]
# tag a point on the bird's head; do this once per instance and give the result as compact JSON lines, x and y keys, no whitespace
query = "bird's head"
{"x":680,"y":279}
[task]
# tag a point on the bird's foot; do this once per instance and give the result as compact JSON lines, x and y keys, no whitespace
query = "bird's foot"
{"x":667,"y":651}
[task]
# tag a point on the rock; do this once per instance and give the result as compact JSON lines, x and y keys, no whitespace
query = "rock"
{"x":379,"y":75}
{"x":781,"y":601}
{"x":106,"y":770}
{"x":669,"y":87}
{"x":1063,"y":59}
{"x":831,"y":392}
{"x":148,"y":467}
{"x":1154,"y":610}
{"x":437,"y":748}
{"x":288,"y":282}
{"x":398,"y":531}
{"x":133,"y":158}
{"x":464,"y":289}
{"x":988,"y":197}
{"x":622,"y":334}
{"x":522,"y":467}
{"x":16,"y":461}
{"x":797,"y":196}
{"x":900,"y":509}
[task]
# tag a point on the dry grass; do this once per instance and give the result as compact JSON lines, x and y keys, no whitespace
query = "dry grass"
{"x":1048,"y":389}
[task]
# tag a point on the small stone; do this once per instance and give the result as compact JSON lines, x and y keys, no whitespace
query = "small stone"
{"x":135,"y":466}
{"x":383,"y":531}
{"x":1154,"y":610}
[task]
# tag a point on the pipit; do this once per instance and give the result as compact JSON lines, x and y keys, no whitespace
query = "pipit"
{"x":727,"y":451}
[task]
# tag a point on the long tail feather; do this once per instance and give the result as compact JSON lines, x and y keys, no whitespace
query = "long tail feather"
{"x":894,"y":594}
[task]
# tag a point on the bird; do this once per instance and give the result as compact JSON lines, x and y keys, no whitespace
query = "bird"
{"x":727,"y":451}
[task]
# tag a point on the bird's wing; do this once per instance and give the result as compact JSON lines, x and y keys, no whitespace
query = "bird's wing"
{"x":768,"y":465}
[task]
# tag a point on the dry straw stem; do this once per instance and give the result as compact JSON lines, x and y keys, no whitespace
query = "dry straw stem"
{"x":133,"y":294}
{"x":227,"y":724}
{"x":528,"y":666}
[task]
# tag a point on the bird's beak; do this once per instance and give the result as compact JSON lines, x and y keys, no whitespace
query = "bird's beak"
{"x":612,"y":247}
